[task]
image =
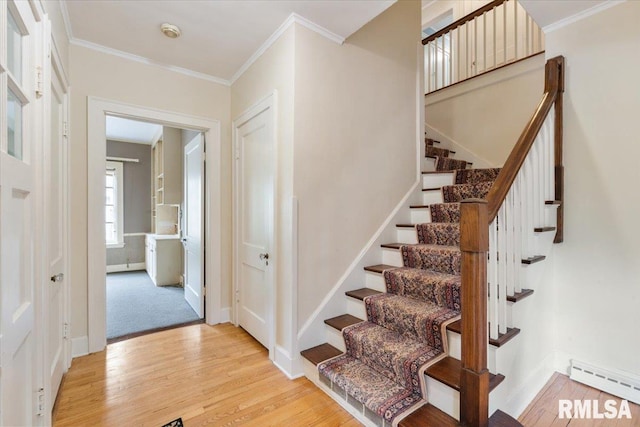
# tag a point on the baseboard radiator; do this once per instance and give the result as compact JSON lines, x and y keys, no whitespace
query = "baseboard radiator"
{"x":623,"y":385}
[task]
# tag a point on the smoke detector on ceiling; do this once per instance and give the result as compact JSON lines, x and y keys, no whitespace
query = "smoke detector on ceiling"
{"x":170,"y":30}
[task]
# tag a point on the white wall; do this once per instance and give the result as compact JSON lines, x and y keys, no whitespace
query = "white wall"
{"x":468,"y":113}
{"x":355,"y":141}
{"x":97,"y":74}
{"x":58,"y":30}
{"x":274,"y":70}
{"x":597,"y":273}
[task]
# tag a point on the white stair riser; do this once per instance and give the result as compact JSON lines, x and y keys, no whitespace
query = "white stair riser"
{"x":433,"y":180}
{"x":391,"y":257}
{"x":407,"y":235}
{"x":334,"y":337}
{"x":375,"y":281}
{"x":431,"y":197}
{"x":428,"y":164}
{"x":455,"y":350}
{"x":420,"y":216}
{"x":443,"y":397}
{"x":355,"y":307}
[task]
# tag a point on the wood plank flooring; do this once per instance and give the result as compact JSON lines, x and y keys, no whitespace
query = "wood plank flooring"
{"x":207,"y":375}
{"x":543,"y":410}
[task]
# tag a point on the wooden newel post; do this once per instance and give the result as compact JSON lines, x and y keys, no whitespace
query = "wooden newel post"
{"x":474,"y":381}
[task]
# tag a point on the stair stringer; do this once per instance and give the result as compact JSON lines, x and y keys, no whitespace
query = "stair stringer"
{"x":313,"y":332}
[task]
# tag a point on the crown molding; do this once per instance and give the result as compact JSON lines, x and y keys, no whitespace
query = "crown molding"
{"x":294,"y":18}
{"x":581,"y":15}
{"x":141,"y":59}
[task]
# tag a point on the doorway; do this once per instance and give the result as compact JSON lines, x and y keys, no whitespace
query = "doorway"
{"x":145,"y":183}
{"x":98,"y":109}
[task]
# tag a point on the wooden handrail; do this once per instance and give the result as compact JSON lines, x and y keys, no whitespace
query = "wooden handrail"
{"x":460,"y":22}
{"x":553,"y":86}
{"x":475,"y":218}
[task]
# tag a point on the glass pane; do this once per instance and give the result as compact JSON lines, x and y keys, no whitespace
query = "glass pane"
{"x":110,"y":196}
{"x":14,"y":48}
{"x":14,"y":125}
{"x":110,"y":180}
{"x":110,"y":230}
{"x":110,"y":214}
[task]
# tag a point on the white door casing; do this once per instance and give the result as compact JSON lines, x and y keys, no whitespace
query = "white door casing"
{"x":20,"y":164}
{"x":97,"y":108}
{"x":193,"y":169}
{"x":254,"y":193}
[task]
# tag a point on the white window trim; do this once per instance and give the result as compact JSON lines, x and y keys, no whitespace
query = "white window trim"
{"x":117,"y":166}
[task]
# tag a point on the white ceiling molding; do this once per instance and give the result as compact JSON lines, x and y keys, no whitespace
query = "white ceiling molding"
{"x":66,"y":19}
{"x":147,"y":61}
{"x":292,"y":19}
{"x":581,"y":15}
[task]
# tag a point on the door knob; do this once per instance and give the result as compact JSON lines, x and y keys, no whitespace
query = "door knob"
{"x":57,"y":278}
{"x":264,"y":256}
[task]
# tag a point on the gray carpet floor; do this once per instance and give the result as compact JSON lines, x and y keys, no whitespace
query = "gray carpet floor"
{"x":135,"y":304}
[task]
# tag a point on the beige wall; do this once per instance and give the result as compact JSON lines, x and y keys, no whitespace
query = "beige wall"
{"x":355,"y":141}
{"x":58,"y":30}
{"x":467,"y":113}
{"x":96,"y":74}
{"x":597,"y":273}
{"x":274,"y":70}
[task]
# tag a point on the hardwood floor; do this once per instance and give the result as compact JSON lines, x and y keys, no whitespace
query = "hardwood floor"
{"x":543,"y":410}
{"x":207,"y":375}
{"x":221,"y":376}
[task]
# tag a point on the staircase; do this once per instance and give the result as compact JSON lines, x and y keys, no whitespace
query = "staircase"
{"x":421,"y":343}
{"x":398,"y":350}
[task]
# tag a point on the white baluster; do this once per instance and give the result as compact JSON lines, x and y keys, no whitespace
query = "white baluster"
{"x":515,"y":30}
{"x":502,"y":272}
{"x":517,"y":245}
{"x":509,"y":237}
{"x":493,"y":281}
{"x":504,"y":31}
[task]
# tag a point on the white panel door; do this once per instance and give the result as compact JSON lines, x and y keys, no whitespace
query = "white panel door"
{"x":56,"y":229}
{"x":194,"y":224}
{"x":255,"y":169}
{"x":18,"y":159}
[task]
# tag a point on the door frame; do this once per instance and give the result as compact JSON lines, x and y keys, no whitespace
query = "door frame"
{"x":97,"y":109}
{"x":267,"y":103}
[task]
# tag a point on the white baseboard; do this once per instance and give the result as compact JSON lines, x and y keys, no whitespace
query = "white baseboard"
{"x":79,"y":346}
{"x":521,"y":398}
{"x":136,"y":266}
{"x":291,"y":367}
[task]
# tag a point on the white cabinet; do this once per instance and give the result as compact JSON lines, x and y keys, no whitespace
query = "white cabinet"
{"x":163,"y":258}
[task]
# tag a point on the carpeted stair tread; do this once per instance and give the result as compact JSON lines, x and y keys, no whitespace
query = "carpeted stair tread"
{"x":362,"y":293}
{"x":448,"y":371}
{"x":342,"y":321}
{"x":499,"y":342}
{"x":381,"y":395}
{"x":471,"y":176}
{"x":437,"y":172}
{"x":431,"y":151}
{"x":445,"y":212}
{"x":379,"y":268}
{"x":418,"y":320}
{"x":449,"y":164}
{"x":320,"y":353}
{"x":459,"y":192}
{"x":396,"y":356}
{"x":419,"y":206}
{"x":442,"y":259}
{"x":429,"y":416}
{"x":426,"y":285}
{"x":439,"y":233}
{"x":431,"y":141}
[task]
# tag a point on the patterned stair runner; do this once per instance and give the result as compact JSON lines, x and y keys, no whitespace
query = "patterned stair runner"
{"x":405,"y":331}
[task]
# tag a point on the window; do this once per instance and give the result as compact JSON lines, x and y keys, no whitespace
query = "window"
{"x":113,"y":213}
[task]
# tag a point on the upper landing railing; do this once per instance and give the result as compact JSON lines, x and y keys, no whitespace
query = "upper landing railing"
{"x":497,"y":34}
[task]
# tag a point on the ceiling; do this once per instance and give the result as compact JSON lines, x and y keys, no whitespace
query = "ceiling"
{"x":126,"y":130}
{"x":549,"y":12}
{"x":218,"y":36}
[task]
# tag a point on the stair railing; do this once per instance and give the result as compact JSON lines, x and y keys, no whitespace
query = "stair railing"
{"x":497,"y":34}
{"x":496,"y":238}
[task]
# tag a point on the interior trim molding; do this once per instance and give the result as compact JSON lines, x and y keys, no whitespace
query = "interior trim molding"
{"x":581,"y":15}
{"x":134,"y":266}
{"x":80,"y":346}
